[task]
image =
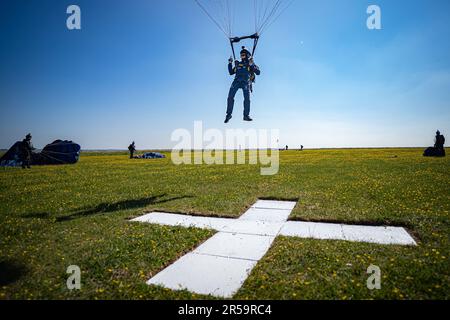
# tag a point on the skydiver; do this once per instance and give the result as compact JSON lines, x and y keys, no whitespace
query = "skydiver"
{"x":244,"y":71}
{"x":132,"y":149}
{"x":25,"y":149}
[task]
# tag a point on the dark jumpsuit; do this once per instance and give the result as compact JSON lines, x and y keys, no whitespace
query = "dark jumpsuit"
{"x":25,"y":153}
{"x":132,"y":149}
{"x":439,"y":142}
{"x":243,"y":72}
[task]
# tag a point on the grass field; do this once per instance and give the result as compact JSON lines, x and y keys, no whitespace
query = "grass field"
{"x":56,"y":216}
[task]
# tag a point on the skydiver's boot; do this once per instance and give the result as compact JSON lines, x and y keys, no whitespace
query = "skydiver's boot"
{"x":247,"y":106}
{"x":228,"y":118}
{"x":230,"y":106}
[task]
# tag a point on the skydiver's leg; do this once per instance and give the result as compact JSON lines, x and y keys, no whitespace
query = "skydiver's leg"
{"x":231,"y":94}
{"x":246,"y":91}
{"x":22,"y":158}
{"x":25,"y":163}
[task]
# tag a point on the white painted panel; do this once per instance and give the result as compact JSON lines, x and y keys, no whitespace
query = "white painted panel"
{"x":204,"y":274}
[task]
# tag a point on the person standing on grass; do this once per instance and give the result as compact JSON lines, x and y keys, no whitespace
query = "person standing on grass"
{"x":439,"y":143}
{"x":132,"y":149}
{"x":25,"y":151}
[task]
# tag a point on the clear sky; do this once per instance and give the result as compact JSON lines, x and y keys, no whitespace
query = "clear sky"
{"x":140,"y":69}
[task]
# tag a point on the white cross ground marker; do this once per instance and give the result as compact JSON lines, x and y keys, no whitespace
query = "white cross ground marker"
{"x":220,"y":265}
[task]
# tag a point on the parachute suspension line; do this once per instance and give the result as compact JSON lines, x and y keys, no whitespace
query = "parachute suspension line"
{"x":263,"y":17}
{"x":230,"y":29}
{"x":266,"y":12}
{"x":224,"y":17}
{"x":234,"y":40}
{"x":216,"y":6}
{"x":228,"y":15}
{"x":52,"y":158}
{"x":212,"y":18}
{"x":255,"y":5}
{"x":270,"y":15}
{"x":255,"y":44}
{"x":279,"y":14}
{"x":233,"y":14}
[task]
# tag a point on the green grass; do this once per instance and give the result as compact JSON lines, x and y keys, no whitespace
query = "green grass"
{"x":52,"y":217}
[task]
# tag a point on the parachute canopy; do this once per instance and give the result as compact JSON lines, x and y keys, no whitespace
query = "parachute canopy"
{"x":12,"y":156}
{"x":57,"y":152}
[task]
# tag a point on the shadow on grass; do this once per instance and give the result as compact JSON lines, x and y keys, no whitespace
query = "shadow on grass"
{"x":10,"y":272}
{"x":117,"y":206}
{"x":38,"y":215}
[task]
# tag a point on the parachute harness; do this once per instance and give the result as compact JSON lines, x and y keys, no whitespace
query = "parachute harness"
{"x":255,"y":38}
{"x":234,"y":40}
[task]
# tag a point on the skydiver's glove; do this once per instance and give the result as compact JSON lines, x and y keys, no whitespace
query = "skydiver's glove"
{"x":230,"y":60}
{"x":251,"y":62}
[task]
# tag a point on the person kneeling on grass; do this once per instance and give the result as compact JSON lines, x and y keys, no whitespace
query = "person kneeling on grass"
{"x":439,"y":143}
{"x":438,"y":150}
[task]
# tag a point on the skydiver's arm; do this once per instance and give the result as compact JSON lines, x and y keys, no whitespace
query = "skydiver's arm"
{"x":231,"y":70}
{"x":256,"y":70}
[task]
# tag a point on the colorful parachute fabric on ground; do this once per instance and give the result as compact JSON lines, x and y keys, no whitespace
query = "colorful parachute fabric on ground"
{"x":152,"y":155}
{"x":11,"y":158}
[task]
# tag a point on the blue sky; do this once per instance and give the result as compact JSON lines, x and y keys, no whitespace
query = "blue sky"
{"x":140,"y":69}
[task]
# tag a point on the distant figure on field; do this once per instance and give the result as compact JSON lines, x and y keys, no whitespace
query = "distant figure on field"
{"x":287,"y":148}
{"x":439,"y":141}
{"x":25,"y":151}
{"x":438,"y":150}
{"x":301,"y":148}
{"x":132,"y":149}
